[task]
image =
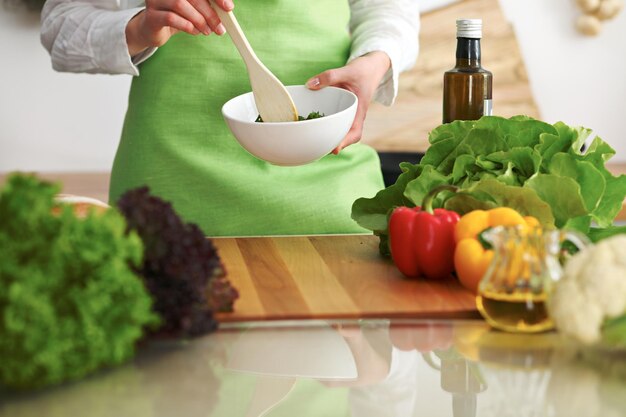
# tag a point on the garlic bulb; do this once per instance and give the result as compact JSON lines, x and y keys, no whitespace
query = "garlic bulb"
{"x":608,"y":9}
{"x":588,"y":25}
{"x":594,"y":12}
{"x":588,"y":6}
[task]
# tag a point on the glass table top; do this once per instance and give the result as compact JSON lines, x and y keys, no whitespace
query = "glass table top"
{"x":364,"y":368}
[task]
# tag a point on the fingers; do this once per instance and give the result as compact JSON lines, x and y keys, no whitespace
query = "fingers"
{"x":210,"y":16}
{"x":352,"y":137}
{"x":344,"y":78}
{"x":340,"y":78}
{"x":158,"y":19}
{"x":197,"y":13}
{"x":327,"y":78}
{"x":226,"y":5}
{"x":356,"y":131}
{"x":178,"y":8}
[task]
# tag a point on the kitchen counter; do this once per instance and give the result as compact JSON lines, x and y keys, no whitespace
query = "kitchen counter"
{"x":365,"y":368}
{"x":365,"y":344}
{"x":96,"y":184}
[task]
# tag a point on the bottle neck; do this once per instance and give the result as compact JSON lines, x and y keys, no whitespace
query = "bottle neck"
{"x":468,"y":52}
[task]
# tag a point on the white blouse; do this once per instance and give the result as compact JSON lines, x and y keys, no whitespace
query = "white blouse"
{"x":90,"y":36}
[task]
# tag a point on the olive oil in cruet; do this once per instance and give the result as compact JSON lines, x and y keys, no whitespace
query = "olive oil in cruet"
{"x":513,"y":294}
{"x":519,"y":311}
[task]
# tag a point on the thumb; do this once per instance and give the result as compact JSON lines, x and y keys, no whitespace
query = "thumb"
{"x":327,"y":78}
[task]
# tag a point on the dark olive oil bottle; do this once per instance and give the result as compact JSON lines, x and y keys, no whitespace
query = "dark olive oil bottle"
{"x":467,"y":86}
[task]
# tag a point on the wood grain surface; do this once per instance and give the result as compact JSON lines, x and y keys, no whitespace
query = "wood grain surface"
{"x":330,"y":277}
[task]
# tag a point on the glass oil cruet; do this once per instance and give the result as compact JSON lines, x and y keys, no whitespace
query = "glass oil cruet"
{"x":513,"y":294}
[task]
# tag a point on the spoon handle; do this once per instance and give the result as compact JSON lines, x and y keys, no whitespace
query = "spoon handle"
{"x":236,"y":34}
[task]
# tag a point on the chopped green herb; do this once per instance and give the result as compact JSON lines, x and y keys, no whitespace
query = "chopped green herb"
{"x":312,"y":115}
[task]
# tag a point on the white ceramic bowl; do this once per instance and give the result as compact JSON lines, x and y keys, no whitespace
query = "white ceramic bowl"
{"x":293,"y":143}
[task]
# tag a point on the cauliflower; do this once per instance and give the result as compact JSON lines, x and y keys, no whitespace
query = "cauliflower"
{"x":592,"y":289}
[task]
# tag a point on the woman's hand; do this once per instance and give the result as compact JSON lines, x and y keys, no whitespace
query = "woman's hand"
{"x":372,"y":365}
{"x":361,"y":76}
{"x":161,"y":19}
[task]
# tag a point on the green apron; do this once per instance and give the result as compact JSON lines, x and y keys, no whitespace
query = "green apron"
{"x":175,"y":139}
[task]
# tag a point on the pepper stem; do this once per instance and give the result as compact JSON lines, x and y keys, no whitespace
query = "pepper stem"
{"x":427,"y":203}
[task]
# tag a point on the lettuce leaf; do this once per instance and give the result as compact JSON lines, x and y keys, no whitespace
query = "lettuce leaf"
{"x":562,"y":194}
{"x":535,"y":167}
{"x":491,"y":193}
{"x":371,"y":213}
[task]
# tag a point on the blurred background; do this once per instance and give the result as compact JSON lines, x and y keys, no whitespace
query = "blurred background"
{"x":542,"y":65}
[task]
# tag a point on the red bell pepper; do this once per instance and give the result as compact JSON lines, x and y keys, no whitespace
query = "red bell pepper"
{"x":422,"y":239}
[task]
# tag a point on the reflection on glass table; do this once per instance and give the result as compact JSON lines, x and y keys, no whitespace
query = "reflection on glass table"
{"x":362,"y":368}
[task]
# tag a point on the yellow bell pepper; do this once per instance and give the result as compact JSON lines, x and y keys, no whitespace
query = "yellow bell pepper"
{"x":471,"y":259}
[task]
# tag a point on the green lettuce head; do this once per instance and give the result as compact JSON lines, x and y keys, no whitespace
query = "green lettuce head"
{"x":70,"y":302}
{"x":537,"y":168}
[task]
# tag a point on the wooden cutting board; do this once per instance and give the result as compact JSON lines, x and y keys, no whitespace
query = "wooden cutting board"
{"x":317,"y":277}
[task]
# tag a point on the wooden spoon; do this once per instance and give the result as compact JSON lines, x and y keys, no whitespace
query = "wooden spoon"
{"x":270,"y":95}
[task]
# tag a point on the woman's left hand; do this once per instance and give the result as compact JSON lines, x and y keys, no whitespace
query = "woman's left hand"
{"x":361,"y":76}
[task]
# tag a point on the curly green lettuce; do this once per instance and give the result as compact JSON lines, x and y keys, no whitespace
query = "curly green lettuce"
{"x":70,"y":302}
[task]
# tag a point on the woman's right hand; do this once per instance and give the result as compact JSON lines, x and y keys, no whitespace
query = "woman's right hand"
{"x":161,"y":19}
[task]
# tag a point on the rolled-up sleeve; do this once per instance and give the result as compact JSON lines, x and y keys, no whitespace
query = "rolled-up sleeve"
{"x":89,"y":36}
{"x":390,"y":26}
